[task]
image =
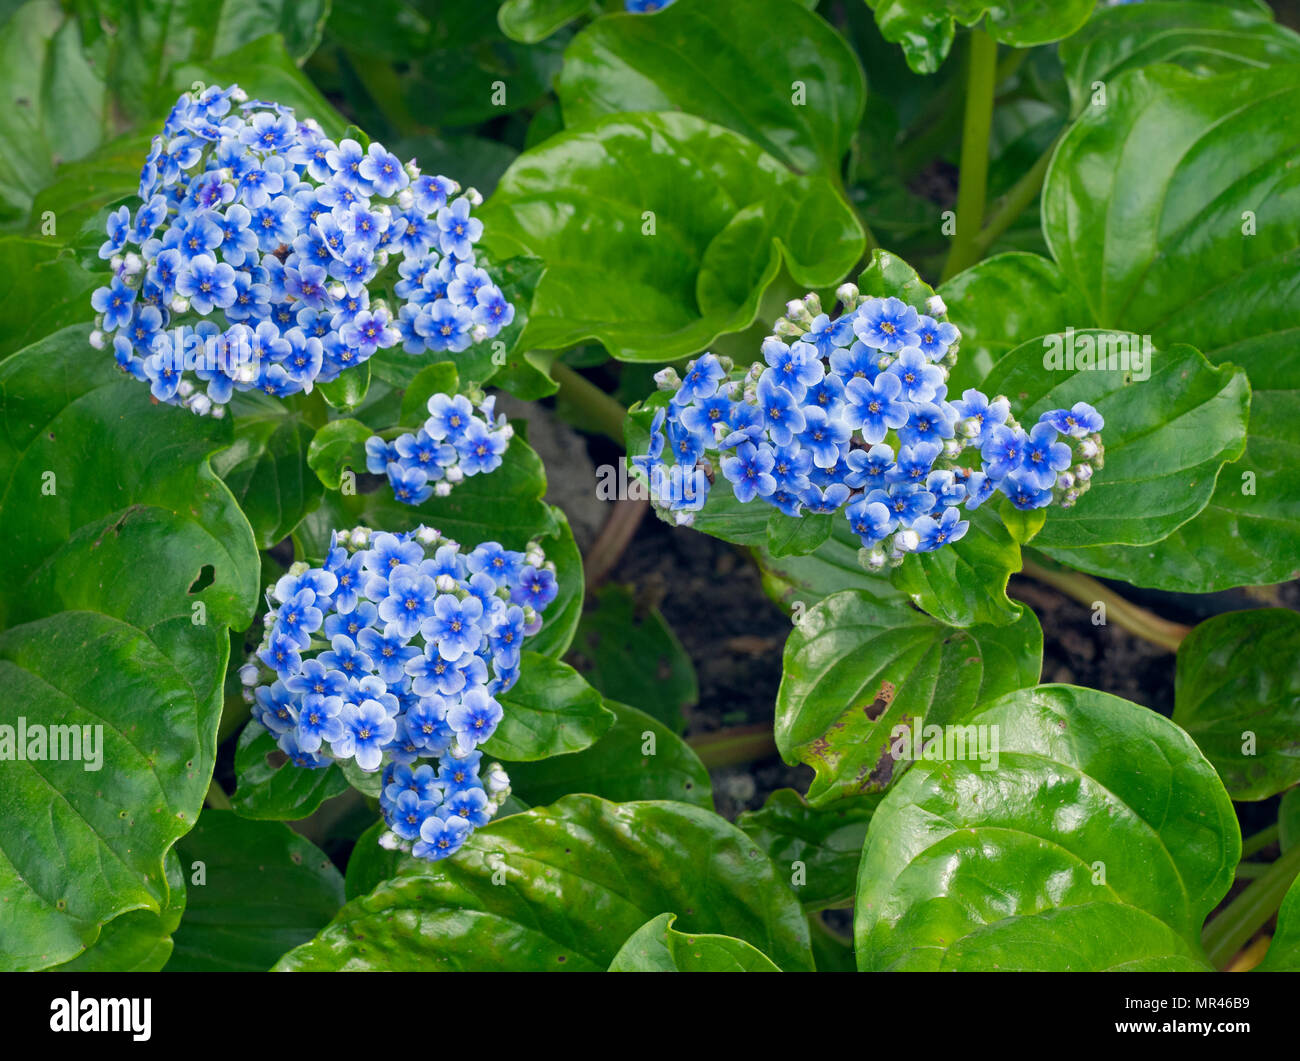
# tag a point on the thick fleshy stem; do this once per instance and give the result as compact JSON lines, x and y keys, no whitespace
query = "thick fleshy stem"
{"x":981,"y":77}
{"x":1232,"y":929}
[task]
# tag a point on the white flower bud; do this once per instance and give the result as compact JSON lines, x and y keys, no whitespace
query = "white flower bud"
{"x":1087,"y":449}
{"x":474,"y":196}
{"x":1083,"y":472}
{"x":935,"y":306}
{"x":343,"y":537}
{"x":218,"y":412}
{"x":248,"y":674}
{"x":426,"y":535}
{"x":390,"y":841}
{"x":1065,"y":481}
{"x":813,"y":303}
{"x":180,"y":304}
{"x":952,"y":448}
{"x":360,"y":537}
{"x":200,"y":404}
{"x":455,"y":474}
{"x":666,"y":379}
{"x":97,"y":339}
{"x":445,"y":584}
{"x":441,"y":489}
{"x":906,"y":541}
{"x":496,"y":779}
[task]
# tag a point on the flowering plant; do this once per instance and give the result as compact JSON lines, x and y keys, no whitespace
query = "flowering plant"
{"x":258,"y":242}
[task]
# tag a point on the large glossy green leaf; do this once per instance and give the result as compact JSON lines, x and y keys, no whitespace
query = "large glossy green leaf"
{"x":627,"y":650}
{"x":1149,"y":207}
{"x":256,"y":889}
{"x":1102,"y":841}
{"x":1002,"y":302}
{"x":84,"y":839}
{"x":576,"y":879}
{"x":724,"y":217}
{"x":803,"y":90}
{"x":551,"y":710}
{"x":268,"y":786}
{"x":1206,"y":38}
{"x":1166,"y":435}
{"x":636,"y":758}
{"x":925,"y":28}
{"x":804,"y":580}
{"x":657,"y":947}
{"x":818,"y":847}
{"x":131,"y":550}
{"x":1237,"y":692}
{"x":46,"y":290}
{"x":140,"y":940}
{"x":530,"y":21}
{"x":854,"y":669}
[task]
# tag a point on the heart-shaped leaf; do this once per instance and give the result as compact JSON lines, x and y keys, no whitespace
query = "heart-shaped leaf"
{"x":1102,"y":840}
{"x":549,"y":711}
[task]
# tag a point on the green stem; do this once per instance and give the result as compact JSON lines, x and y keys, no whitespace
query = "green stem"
{"x":1014,"y":203}
{"x":981,"y":80}
{"x":217,"y":797}
{"x":601,"y":412}
{"x":734,"y":746}
{"x":1253,"y":845}
{"x":1232,"y":929}
{"x":1251,"y":870}
{"x":1125,"y":614}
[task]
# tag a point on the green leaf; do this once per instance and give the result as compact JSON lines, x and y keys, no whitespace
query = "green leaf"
{"x":925,"y":28}
{"x":339,"y":445}
{"x":269,"y":787}
{"x":1102,"y":841}
{"x":140,"y":940}
{"x":820,"y":846}
{"x":637,"y":758}
{"x":1206,"y":38}
{"x":656,"y":947}
{"x":256,"y":890}
{"x":81,"y":848}
{"x":1284,"y":951}
{"x":853,"y":670}
{"x":580,"y":876}
{"x":430,"y":380}
{"x":349,"y":390}
{"x":801,"y":105}
{"x":1002,"y":302}
{"x":1171,"y":423}
{"x":1288,"y":820}
{"x":47,"y":290}
{"x":1237,"y":693}
{"x":889,"y":276}
{"x":629,"y":652}
{"x":724,"y":217}
{"x":833,"y":566}
{"x":966,"y":582}
{"x":266,"y":467}
{"x":530,"y":21}
{"x":1148,"y":207}
{"x":799,"y":535}
{"x":549,"y":711}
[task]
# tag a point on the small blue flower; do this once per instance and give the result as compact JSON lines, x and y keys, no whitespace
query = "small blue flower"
{"x":921,"y":380}
{"x":934,"y":338}
{"x":474,"y":718}
{"x":875,"y":406}
{"x":441,"y":837}
{"x":453,"y":626}
{"x":887,"y":324}
{"x":1080,"y":420}
{"x":750,"y":471}
{"x":366,"y":728}
{"x":936,"y":533}
{"x":114,"y":302}
{"x":871,"y":521}
{"x":1044,"y":456}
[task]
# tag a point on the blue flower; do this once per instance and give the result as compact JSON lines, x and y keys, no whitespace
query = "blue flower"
{"x":701,"y":380}
{"x":986,"y":415}
{"x":936,"y":533}
{"x":1024,"y":491}
{"x":458,"y":231}
{"x":389,"y":652}
{"x":794,"y":367}
{"x":824,"y":436}
{"x":114,"y":302}
{"x":921,"y":380}
{"x":871,"y":521}
{"x":934,"y":338}
{"x":453,"y":626}
{"x":749,"y":471}
{"x":386,"y":174}
{"x":366,"y":728}
{"x":409,"y":603}
{"x":1044,"y":456}
{"x":887,"y":324}
{"x":1004,"y":451}
{"x":906,"y":501}
{"x":480,"y":449}
{"x":874,"y":406}
{"x":474,"y":718}
{"x":119,"y":225}
{"x":781,"y":414}
{"x":536,"y":586}
{"x":441,"y":837}
{"x":1080,"y":420}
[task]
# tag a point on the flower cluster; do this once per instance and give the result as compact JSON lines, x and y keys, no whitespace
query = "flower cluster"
{"x":258,"y":243}
{"x":394,"y":652}
{"x":853,"y":414}
{"x":452,"y":445}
